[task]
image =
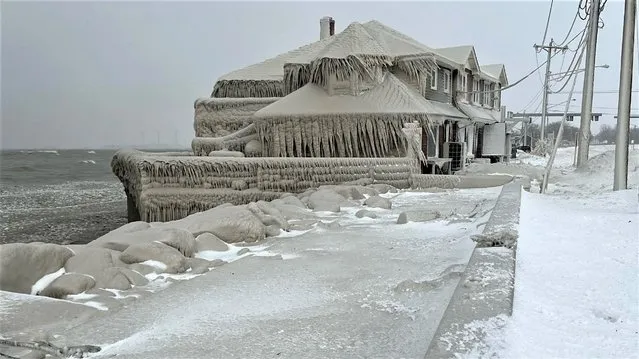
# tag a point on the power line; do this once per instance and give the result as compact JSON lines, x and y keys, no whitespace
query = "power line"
{"x":547,"y":23}
{"x":535,"y":98}
{"x":582,"y":41}
{"x":603,"y":91}
{"x":606,"y":108}
{"x":574,"y":20}
{"x":543,"y":41}
{"x":574,"y":70}
{"x":520,"y":80}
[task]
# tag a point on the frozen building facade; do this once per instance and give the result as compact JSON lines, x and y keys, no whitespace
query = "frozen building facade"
{"x":368,"y":104}
{"x":447,"y":86}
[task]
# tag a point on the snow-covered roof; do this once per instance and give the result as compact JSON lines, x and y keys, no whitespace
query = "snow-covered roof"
{"x":479,"y":114}
{"x":497,"y":71}
{"x":370,"y":41}
{"x":390,"y":96}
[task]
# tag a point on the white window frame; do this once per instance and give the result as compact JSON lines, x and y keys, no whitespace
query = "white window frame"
{"x":475,"y":97}
{"x":496,"y":98}
{"x":486,"y":94}
{"x":447,"y":81}
{"x":462,"y":81}
{"x":433,"y":79}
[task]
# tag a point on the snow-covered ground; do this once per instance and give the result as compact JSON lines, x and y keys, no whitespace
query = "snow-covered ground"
{"x":349,"y":288}
{"x":576,"y":279}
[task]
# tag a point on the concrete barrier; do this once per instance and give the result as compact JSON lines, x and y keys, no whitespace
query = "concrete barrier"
{"x":485,"y":289}
{"x":422,"y":181}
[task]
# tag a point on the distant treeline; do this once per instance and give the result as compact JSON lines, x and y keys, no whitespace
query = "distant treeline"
{"x":606,"y":134}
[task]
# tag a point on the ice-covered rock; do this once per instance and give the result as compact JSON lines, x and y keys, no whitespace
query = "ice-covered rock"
{"x":383,"y":188}
{"x":230,"y":224}
{"x":92,"y":261}
{"x":199,"y":265}
{"x":418,"y":216}
{"x":154,"y":251}
{"x":119,"y":278}
{"x":273,"y":230}
{"x":69,"y":283}
{"x":210,"y":242}
{"x":23,"y":264}
{"x":378,"y":202}
{"x":365,"y":213}
{"x":180,"y":239}
{"x":290,"y":201}
{"x":303,"y":224}
{"x":326,"y":200}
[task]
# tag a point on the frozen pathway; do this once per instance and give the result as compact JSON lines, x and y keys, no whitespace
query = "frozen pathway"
{"x":370,"y":288}
{"x":576,"y":278}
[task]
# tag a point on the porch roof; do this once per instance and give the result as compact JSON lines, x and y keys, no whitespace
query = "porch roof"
{"x":480,"y":114}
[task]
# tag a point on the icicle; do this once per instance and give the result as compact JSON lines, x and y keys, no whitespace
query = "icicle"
{"x":316,"y":138}
{"x":281,"y":128}
{"x":339,"y":140}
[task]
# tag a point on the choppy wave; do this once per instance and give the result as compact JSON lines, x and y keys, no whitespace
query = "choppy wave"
{"x":88,"y":161}
{"x":90,"y":151}
{"x":53,"y":152}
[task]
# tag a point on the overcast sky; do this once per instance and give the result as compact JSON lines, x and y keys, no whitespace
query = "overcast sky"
{"x":93,"y":74}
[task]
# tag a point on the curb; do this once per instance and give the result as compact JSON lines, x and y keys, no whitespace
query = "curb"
{"x":485,"y":289}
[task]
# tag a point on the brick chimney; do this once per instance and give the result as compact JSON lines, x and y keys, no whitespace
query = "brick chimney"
{"x":327,"y":27}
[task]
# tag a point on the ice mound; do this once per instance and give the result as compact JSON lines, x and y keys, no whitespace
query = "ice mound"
{"x":141,"y":257}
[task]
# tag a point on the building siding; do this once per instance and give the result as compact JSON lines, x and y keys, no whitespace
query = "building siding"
{"x":439,"y":94}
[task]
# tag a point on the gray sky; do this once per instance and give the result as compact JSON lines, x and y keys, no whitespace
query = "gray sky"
{"x":92,"y":74}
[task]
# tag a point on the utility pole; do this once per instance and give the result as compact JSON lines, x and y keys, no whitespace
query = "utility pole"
{"x":583,"y":143}
{"x":625,"y":87}
{"x":550,"y":49}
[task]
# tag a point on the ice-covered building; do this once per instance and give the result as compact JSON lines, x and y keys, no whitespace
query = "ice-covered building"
{"x":352,"y":106}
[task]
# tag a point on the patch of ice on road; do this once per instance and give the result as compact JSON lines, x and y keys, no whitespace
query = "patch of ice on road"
{"x":231,"y":254}
{"x":118,"y":294}
{"x":45,"y":281}
{"x":292,"y":233}
{"x":81,"y":296}
{"x":284,"y":256}
{"x":96,"y":305}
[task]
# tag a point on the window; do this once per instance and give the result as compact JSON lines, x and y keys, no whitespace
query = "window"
{"x":476,"y":91}
{"x":487,"y":93}
{"x":433,"y":79}
{"x":462,"y":81}
{"x":447,"y":81}
{"x":496,"y":99}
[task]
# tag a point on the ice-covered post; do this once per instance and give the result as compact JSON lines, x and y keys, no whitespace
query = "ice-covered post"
{"x":413,"y":133}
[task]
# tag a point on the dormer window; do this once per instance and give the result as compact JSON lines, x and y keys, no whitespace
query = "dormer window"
{"x":446,"y":81}
{"x":433,"y":79}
